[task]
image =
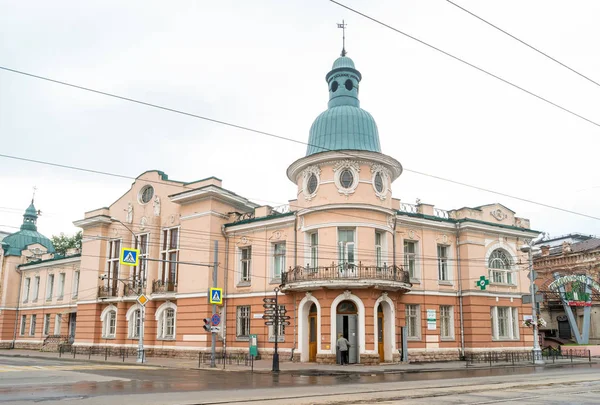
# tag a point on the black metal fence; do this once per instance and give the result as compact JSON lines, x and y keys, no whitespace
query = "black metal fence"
{"x":232,"y":359}
{"x":121,"y":353}
{"x":520,"y":357}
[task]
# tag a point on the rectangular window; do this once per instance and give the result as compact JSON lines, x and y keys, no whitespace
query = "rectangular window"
{"x":46,"y":324}
{"x":110,"y":326}
{"x":135,"y":325}
{"x":501,"y":276}
{"x":61,"y":286}
{"x":413,"y":321}
{"x":169,"y":323}
{"x":112,"y":279}
{"x":75,"y":284}
{"x":50,"y":287}
{"x":245,"y":264}
{"x":410,"y":258}
{"x":278,"y":259}
{"x":32,"y":325}
{"x":280,"y":330}
{"x":314,"y":250}
{"x":36,"y":289}
{"x":243,"y":321}
{"x":169,"y":255}
{"x":23,"y":325}
{"x":346,"y":252}
{"x":26,"y":289}
{"x":139,"y":272}
{"x":505,"y":324}
{"x":378,"y":249}
{"x":57,"y":324}
{"x":447,"y":321}
{"x":443,"y":263}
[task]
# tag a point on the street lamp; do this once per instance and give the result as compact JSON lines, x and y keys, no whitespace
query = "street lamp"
{"x":528,"y":248}
{"x":140,"y":354}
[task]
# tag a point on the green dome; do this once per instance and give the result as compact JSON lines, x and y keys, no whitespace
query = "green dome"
{"x":344,"y":125}
{"x":14,"y":243}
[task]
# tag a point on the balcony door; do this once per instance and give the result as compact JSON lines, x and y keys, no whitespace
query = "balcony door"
{"x":346,"y":252}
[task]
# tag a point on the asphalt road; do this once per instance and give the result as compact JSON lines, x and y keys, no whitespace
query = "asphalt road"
{"x":26,"y":380}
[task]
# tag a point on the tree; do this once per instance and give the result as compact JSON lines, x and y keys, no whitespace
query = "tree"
{"x":62,"y":243}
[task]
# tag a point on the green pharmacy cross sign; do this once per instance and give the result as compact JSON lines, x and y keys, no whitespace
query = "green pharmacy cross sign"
{"x":482,"y":282}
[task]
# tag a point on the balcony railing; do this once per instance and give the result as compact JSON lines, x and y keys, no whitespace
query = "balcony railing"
{"x":107,"y":291}
{"x":346,"y":271}
{"x":161,"y":287}
{"x":132,"y":289}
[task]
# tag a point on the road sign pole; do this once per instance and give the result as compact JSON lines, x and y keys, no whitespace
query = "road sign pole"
{"x":276,"y":327}
{"x":141,"y":357}
{"x":214,"y":308}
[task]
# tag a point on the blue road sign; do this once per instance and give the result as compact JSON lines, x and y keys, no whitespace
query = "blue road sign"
{"x":216,"y":296}
{"x":216,"y":319}
{"x":129,"y":256}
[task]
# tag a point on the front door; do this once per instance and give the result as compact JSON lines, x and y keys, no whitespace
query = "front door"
{"x":380,"y":338}
{"x":312,"y":337}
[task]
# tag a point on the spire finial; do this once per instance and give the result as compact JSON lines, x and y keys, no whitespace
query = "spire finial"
{"x":343,"y":27}
{"x":33,"y":196}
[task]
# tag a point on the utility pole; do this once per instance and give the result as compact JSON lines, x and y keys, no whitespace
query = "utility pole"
{"x":537,"y":351}
{"x":214,"y":307}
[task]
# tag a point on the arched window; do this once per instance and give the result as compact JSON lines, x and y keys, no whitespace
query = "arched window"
{"x":134,"y":320}
{"x":500,"y":267}
{"x":165,"y":317}
{"x":109,"y":322}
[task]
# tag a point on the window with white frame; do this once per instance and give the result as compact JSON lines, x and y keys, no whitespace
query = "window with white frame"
{"x":245,"y":264}
{"x":278,"y":259}
{"x":243,"y":322}
{"x":23,"y":325}
{"x":280,"y":329}
{"x":500,"y":267}
{"x":378,"y":249}
{"x":505,"y":323}
{"x":135,"y":322}
{"x":165,"y":317}
{"x":32,"y":325}
{"x":139,"y":272}
{"x":346,"y":244}
{"x":170,"y":254}
{"x":26,"y":286}
{"x":61,"y":286}
{"x":57,"y":324}
{"x":410,"y":258}
{"x":36,"y":289}
{"x":413,"y":321}
{"x":314,"y":250}
{"x":50,"y":287}
{"x":75,"y":284}
{"x":112,"y":275}
{"x":443,"y":273}
{"x":109,"y":322}
{"x":46,"y":324}
{"x":447,"y":322}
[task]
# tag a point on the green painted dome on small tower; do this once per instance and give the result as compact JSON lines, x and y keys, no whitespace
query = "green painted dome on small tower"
{"x":14,"y":243}
{"x":344,"y":125}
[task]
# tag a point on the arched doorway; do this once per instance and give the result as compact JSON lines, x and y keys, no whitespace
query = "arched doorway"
{"x":312,"y":333}
{"x":380,"y":333}
{"x":347,"y":325}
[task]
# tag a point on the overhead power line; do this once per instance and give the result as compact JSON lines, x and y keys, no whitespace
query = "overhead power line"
{"x":244,"y":128}
{"x":487,"y":72}
{"x":524,"y":43}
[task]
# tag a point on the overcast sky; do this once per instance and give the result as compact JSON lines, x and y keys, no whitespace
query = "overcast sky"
{"x":262,"y":64}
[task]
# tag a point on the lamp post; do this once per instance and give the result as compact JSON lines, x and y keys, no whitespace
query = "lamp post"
{"x":537,"y":351}
{"x":140,"y":353}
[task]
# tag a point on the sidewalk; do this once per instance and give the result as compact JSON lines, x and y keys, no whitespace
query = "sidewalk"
{"x":264,"y":366}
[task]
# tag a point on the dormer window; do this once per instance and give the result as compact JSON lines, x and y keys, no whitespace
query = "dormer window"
{"x":349,"y":85}
{"x":346,"y":178}
{"x":312,"y":184}
{"x":334,"y":86}
{"x":378,"y":183}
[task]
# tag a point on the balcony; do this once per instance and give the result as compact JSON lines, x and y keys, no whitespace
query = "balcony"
{"x":106,"y":292}
{"x":342,"y":276}
{"x":163,"y":287}
{"x":130,"y":289}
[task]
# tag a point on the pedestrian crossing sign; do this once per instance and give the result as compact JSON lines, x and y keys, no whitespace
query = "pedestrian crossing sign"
{"x":129,"y":257}
{"x":216,"y":296}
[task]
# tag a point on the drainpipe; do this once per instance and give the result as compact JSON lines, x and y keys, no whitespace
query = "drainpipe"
{"x":394,"y":241}
{"x":17,"y":311}
{"x":460,"y":297}
{"x":224,"y":314}
{"x":295,"y":264}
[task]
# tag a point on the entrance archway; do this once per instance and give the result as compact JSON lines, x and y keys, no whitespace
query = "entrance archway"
{"x":380,"y":333}
{"x":309,"y":310}
{"x":384,"y":332}
{"x":347,"y":325}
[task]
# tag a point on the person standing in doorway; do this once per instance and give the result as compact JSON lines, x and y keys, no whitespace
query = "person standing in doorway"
{"x":343,"y":345}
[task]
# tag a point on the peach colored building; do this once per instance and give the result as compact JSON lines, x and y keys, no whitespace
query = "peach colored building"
{"x":348,"y":257}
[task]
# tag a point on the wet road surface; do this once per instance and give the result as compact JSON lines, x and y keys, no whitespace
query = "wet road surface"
{"x":43,"y":380}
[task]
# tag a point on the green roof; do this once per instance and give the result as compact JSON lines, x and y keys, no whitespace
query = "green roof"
{"x":55,"y":258}
{"x":266,"y":218}
{"x":15,"y":243}
{"x":458,"y":221}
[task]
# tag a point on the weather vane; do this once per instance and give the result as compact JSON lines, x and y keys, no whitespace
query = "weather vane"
{"x":343,"y":27}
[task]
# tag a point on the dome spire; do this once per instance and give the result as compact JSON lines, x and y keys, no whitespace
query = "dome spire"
{"x":343,"y":27}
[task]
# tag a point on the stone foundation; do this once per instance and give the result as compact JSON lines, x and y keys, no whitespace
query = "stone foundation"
{"x":423,"y":356}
